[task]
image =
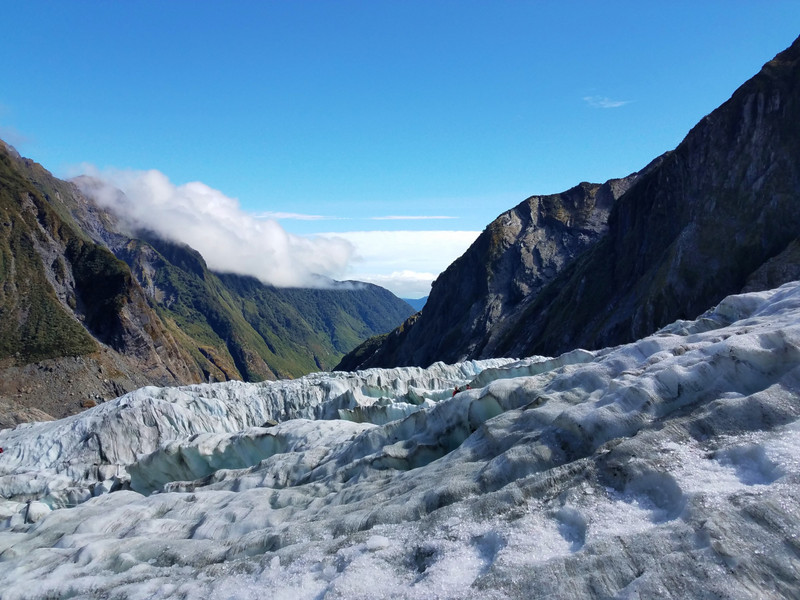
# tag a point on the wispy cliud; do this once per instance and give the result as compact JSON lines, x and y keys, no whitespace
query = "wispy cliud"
{"x":411,"y":218}
{"x":278,"y":216}
{"x":604,"y":102}
{"x":229,"y":239}
{"x":287,"y":216}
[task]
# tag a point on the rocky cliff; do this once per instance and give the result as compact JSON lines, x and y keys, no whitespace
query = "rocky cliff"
{"x":699,"y":227}
{"x":474,"y":300}
{"x":88,"y":312}
{"x":715,"y":215}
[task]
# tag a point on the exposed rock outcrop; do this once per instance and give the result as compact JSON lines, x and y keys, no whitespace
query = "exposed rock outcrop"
{"x":689,"y":232}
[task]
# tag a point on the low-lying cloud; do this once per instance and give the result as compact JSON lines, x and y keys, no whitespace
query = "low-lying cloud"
{"x":403,"y":284}
{"x":234,"y":241}
{"x":229,"y":239}
{"x":405,"y":262}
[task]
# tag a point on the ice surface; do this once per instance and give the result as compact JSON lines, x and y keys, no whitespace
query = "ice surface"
{"x":669,"y":467}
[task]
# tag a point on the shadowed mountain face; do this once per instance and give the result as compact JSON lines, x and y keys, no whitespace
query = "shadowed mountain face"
{"x":87,"y":312}
{"x":717,"y":215}
{"x":497,"y":277}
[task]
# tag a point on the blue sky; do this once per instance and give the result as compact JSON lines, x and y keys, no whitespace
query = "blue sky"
{"x":330,"y":117}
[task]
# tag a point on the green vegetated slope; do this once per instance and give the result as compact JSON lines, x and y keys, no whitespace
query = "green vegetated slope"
{"x":34,"y":323}
{"x":188,"y":303}
{"x":237,"y":327}
{"x":329,"y":321}
{"x":69,"y":291}
{"x":145,"y":311}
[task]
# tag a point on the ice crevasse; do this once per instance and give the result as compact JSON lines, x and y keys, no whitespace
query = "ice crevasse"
{"x":666,"y":467}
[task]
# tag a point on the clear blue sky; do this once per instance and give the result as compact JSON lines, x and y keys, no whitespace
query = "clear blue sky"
{"x":361,"y":110}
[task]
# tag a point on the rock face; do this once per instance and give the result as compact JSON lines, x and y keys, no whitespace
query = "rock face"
{"x":88,"y":312}
{"x":697,"y":224}
{"x":474,"y":302}
{"x":692,"y":230}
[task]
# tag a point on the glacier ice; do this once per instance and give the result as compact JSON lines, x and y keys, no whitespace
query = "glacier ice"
{"x":669,"y":467}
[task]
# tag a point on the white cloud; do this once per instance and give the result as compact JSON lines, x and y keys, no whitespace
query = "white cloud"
{"x":405,"y":262}
{"x":229,"y":239}
{"x":403,"y":284}
{"x":410,"y":218}
{"x":279,"y":216}
{"x":604,"y":102}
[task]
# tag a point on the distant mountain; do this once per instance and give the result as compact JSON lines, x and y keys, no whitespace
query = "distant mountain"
{"x":416,"y":303}
{"x":235,"y":327}
{"x":88,"y":312}
{"x":717,"y":215}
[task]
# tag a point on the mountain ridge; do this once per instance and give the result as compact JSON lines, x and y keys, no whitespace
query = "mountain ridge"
{"x":90,"y":311}
{"x":733,"y":208}
{"x":698,"y":224}
{"x":513,"y":258}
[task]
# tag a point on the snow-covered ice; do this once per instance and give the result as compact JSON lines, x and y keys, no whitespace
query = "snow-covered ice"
{"x":669,"y":467}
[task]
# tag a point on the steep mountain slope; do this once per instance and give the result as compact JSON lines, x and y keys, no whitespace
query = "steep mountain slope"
{"x":235,"y":327}
{"x":477,"y":298}
{"x":69,"y":306}
{"x":691,"y":231}
{"x":87,"y":312}
{"x":699,"y":223}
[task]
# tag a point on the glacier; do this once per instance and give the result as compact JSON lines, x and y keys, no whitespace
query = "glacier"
{"x":668,"y":467}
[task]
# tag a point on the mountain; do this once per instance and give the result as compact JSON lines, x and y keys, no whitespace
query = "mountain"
{"x":477,"y":298}
{"x":665,"y":468}
{"x":236,"y":327}
{"x":417,"y":303}
{"x":717,"y":215}
{"x":88,"y":312}
{"x":74,"y":324}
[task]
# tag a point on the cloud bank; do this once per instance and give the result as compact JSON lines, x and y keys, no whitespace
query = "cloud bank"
{"x":405,"y":262}
{"x":229,"y":239}
{"x":234,"y":241}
